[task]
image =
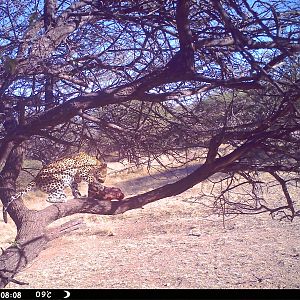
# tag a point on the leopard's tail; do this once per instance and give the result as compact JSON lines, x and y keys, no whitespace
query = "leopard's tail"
{"x":28,"y":188}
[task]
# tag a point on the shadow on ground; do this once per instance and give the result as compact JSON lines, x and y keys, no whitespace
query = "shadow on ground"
{"x":147,"y":182}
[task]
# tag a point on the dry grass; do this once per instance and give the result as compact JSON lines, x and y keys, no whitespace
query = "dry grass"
{"x":171,"y":243}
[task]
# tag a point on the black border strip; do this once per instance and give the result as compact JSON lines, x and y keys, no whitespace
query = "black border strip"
{"x":60,"y":294}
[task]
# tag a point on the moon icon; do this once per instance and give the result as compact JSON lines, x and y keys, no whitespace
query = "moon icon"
{"x":68,"y":294}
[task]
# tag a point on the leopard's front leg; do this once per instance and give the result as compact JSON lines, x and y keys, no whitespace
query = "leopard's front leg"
{"x":75,"y":190}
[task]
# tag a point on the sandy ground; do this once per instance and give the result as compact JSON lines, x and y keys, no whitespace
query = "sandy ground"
{"x":172,"y":243}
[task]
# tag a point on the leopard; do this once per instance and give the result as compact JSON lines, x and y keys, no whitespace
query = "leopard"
{"x":67,"y":172}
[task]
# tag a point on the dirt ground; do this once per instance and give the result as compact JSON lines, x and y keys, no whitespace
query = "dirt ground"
{"x":172,"y":243}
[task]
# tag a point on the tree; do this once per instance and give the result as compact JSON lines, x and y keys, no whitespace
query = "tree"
{"x":146,"y":78}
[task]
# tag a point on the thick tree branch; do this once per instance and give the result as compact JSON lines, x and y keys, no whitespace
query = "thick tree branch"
{"x":8,"y":177}
{"x":185,"y":57}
